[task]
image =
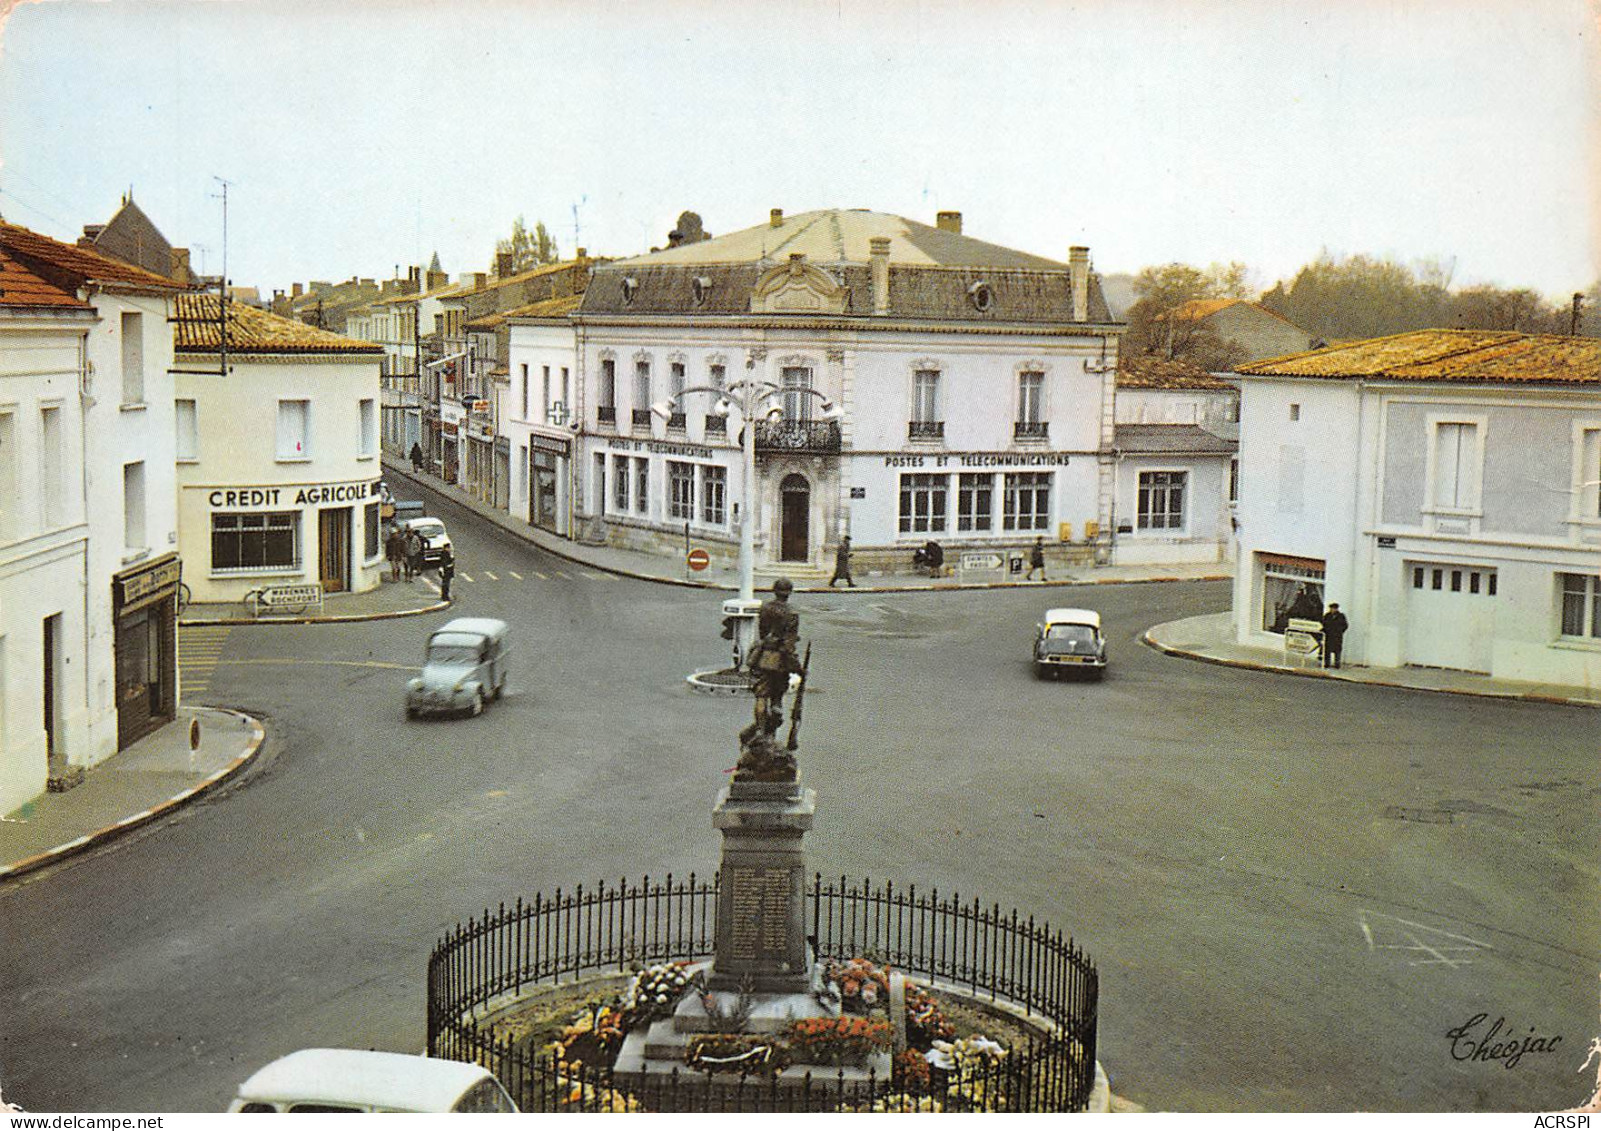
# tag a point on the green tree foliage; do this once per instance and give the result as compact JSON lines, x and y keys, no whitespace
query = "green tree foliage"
{"x":529,"y":249}
{"x":1154,"y":328}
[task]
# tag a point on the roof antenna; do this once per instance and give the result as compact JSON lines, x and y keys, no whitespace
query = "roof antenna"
{"x":222,"y":285}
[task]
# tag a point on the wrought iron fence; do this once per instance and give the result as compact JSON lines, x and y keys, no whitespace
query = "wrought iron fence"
{"x":797,"y":436}
{"x":986,"y":953}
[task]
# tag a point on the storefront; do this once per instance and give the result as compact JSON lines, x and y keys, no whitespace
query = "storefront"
{"x":262,"y":535}
{"x":451,"y":418}
{"x":144,"y":602}
{"x":1291,"y":588}
{"x":479,"y":453}
{"x":547,"y":482}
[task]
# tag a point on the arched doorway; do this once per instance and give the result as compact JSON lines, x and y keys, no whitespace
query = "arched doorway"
{"x":794,"y":536}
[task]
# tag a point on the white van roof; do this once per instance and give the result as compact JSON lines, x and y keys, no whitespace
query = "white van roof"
{"x":392,"y":1081}
{"x":480,"y":626}
{"x":1073,"y":616}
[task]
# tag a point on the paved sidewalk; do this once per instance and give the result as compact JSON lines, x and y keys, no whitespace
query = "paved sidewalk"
{"x":670,"y":571}
{"x":1211,"y":639}
{"x":390,"y":599}
{"x":136,"y":785}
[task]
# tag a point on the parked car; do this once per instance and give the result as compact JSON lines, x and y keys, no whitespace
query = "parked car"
{"x":1069,"y":640}
{"x":435,"y":539}
{"x":350,"y":1080}
{"x":404,"y":510}
{"x":465,"y":667}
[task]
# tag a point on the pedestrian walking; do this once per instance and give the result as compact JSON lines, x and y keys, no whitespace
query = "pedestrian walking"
{"x":1036,"y":559}
{"x":395,"y":551}
{"x":1334,"y":626}
{"x":413,"y":555}
{"x":842,"y":564}
{"x":416,"y":457}
{"x":447,"y":574}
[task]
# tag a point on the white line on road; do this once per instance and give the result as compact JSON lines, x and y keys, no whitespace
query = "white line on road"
{"x":465,"y":576}
{"x":515,"y":574}
{"x":541,"y":576}
{"x":491,"y":576}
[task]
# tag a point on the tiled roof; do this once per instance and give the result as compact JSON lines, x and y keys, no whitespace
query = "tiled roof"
{"x":64,"y":264}
{"x":20,"y":287}
{"x":1017,"y":294}
{"x":251,"y":330}
{"x":544,"y":308}
{"x":1201,"y":308}
{"x":1169,"y":439}
{"x":1491,"y":356}
{"x":1166,"y":373}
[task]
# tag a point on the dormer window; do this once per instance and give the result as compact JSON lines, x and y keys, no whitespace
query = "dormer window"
{"x":980,"y":296}
{"x":702,"y":286}
{"x":630,"y":288}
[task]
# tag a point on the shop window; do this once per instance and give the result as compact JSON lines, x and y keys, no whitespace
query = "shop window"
{"x":255,"y":541}
{"x":975,"y":502}
{"x":713,"y":494}
{"x":922,"y":503}
{"x":680,"y":491}
{"x":1027,"y":503}
{"x":1580,"y":595}
{"x":620,"y":480}
{"x":642,"y":486}
{"x":370,"y":523}
{"x":1292,"y":588}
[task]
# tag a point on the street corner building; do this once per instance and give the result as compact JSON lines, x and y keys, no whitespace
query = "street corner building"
{"x":278,"y":470}
{"x":88,"y":530}
{"x":1443,"y":487}
{"x":916,"y":384}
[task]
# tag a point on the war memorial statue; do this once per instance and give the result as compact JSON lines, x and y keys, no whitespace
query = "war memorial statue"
{"x":772,"y":663}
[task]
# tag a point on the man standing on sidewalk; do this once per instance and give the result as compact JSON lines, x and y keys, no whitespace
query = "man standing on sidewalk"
{"x":416,"y":457}
{"x":395,"y":551}
{"x":1334,"y":626}
{"x":1036,"y":559}
{"x":413,"y":554}
{"x":842,"y":563}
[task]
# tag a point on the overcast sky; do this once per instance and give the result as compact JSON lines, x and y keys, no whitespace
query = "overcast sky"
{"x":360,"y":135}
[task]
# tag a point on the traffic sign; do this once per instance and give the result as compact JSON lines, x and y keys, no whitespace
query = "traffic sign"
{"x":981,"y":561}
{"x":699,"y":560}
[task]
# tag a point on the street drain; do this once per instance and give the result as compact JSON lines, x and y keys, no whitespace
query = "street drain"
{"x":1425,"y":816}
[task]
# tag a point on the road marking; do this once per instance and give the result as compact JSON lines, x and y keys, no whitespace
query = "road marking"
{"x":562,"y":575}
{"x":515,"y":574}
{"x":597,"y":576}
{"x":465,"y":576}
{"x":541,"y":576}
{"x":1439,"y":953}
{"x":491,"y":576}
{"x":200,"y":649}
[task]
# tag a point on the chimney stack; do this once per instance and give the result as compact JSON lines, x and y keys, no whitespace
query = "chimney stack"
{"x":949,"y":222}
{"x":1078,"y":272}
{"x":478,"y":280}
{"x":437,"y":279}
{"x":296,"y":291}
{"x":503,"y":264}
{"x":775,"y":218}
{"x":879,"y":258}
{"x":178,"y":264}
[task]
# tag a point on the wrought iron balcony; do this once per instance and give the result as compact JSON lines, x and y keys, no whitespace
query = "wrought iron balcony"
{"x":606,"y":414}
{"x":797,"y":436}
{"x":925,"y":430}
{"x":1031,"y":430}
{"x":675,"y":422}
{"x":716,"y":425}
{"x":642,"y":418}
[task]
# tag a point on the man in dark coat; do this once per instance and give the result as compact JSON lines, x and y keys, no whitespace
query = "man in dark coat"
{"x":416,"y":457}
{"x":447,"y":574}
{"x":1036,"y":559}
{"x":413,"y":554}
{"x":1334,"y":626}
{"x":395,"y":551}
{"x":842,"y":564}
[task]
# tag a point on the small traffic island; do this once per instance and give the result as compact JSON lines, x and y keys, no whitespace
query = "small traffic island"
{"x":765,"y":988}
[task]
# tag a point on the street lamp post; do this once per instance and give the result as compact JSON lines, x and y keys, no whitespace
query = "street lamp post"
{"x":753,"y":394}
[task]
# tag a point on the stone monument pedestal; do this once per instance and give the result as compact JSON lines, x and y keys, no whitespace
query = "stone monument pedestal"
{"x":761,"y":942}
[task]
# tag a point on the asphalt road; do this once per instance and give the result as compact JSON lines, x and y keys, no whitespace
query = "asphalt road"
{"x":1294,"y":889}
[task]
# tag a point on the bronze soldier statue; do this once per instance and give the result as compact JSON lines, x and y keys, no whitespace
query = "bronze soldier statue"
{"x":771,"y":662}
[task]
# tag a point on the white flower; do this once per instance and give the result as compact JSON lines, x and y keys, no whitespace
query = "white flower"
{"x":987,"y":1046}
{"x":940,"y":1056}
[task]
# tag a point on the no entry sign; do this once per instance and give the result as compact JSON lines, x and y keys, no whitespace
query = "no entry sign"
{"x":699,"y":560}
